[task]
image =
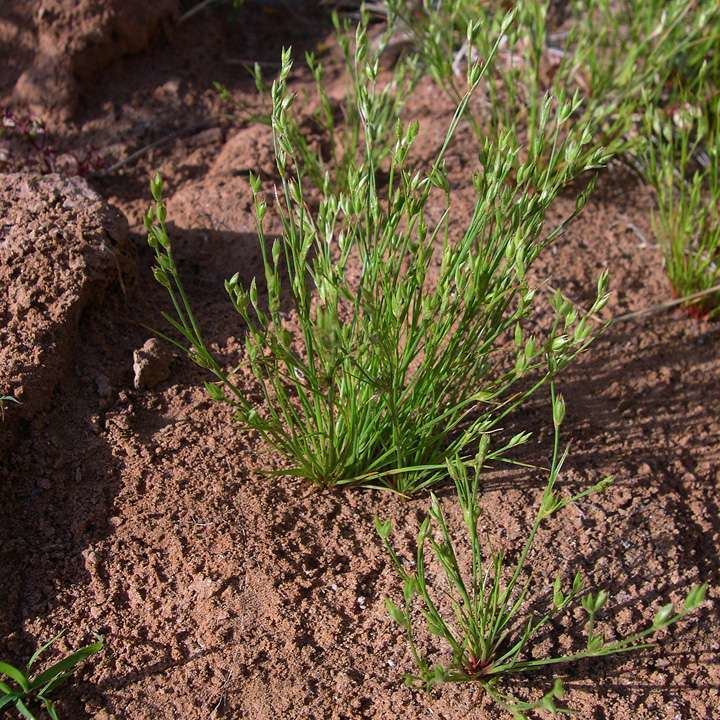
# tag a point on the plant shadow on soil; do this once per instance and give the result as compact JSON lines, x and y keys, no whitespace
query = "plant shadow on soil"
{"x":64,"y":471}
{"x":55,"y":504}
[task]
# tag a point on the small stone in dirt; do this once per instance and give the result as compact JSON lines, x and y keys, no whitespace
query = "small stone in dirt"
{"x":104,"y":715}
{"x":151,"y":364}
{"x":343,"y":680}
{"x":211,"y":136}
{"x":91,"y":561}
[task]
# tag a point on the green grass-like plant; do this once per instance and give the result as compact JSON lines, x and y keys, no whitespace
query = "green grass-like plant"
{"x":681,"y":164}
{"x":609,"y":55}
{"x":387,"y":370}
{"x":25,"y":691}
{"x":481,"y":612}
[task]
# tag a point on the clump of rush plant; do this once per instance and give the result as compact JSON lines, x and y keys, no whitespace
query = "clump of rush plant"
{"x":26,"y":691}
{"x":482,"y":612}
{"x":328,"y":144}
{"x":681,"y":164}
{"x":396,"y":348}
{"x":608,"y":55}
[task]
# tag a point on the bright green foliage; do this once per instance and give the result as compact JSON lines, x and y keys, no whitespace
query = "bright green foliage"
{"x":481,"y":612}
{"x":681,"y":163}
{"x":328,"y":144}
{"x":607,"y":54}
{"x":389,"y":373}
{"x":24,"y":691}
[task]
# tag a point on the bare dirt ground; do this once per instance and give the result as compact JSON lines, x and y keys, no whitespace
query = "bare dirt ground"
{"x":145,"y":515}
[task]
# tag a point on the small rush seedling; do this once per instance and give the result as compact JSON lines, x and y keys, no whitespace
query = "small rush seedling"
{"x":394,"y":353}
{"x":26,"y":691}
{"x":3,"y":400}
{"x":482,"y":612}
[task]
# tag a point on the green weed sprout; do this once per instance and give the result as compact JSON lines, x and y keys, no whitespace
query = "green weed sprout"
{"x":6,"y":399}
{"x":24,"y":691}
{"x":681,"y":164}
{"x":387,"y":371}
{"x":608,"y":55}
{"x":481,"y":613}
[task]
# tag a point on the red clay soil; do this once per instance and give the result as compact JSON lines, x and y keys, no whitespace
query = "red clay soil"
{"x":60,"y":248}
{"x":143,"y":514}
